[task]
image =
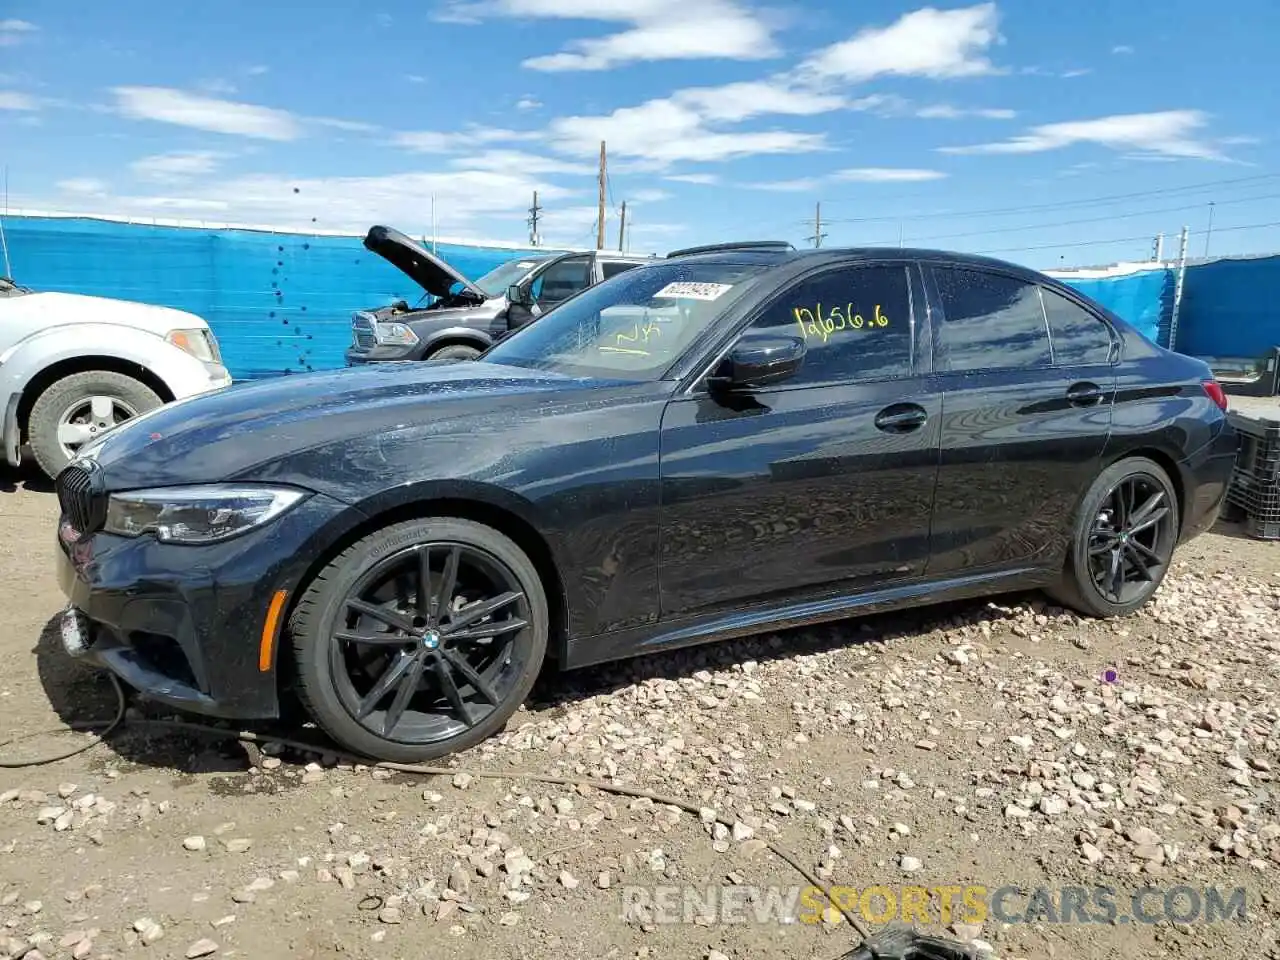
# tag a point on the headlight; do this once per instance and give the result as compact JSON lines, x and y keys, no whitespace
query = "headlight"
{"x":199,"y":342}
{"x":394,"y":334}
{"x":204,"y":514}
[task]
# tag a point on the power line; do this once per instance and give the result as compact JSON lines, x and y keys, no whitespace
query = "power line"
{"x":1144,"y":238}
{"x":1057,"y":205}
{"x":1072,"y":223}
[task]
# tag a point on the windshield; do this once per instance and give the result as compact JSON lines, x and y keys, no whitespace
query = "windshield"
{"x":631,"y":327}
{"x":495,"y":282}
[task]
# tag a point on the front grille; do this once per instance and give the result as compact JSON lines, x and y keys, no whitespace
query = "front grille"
{"x":81,"y":498}
{"x":362,"y":333}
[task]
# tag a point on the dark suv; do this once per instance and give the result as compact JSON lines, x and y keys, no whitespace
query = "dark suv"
{"x":467,"y":317}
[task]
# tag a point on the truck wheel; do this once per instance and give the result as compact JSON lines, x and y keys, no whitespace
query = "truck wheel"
{"x":79,"y":408}
{"x":455,"y":351}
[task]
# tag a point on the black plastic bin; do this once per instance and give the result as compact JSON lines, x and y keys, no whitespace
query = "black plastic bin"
{"x":1255,"y":485}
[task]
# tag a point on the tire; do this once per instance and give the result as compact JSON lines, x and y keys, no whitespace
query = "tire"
{"x":1097,"y":529}
{"x":336,"y":677}
{"x":56,"y":409}
{"x":456,"y":351}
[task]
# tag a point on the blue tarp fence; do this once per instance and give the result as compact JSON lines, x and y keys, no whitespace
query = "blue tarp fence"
{"x":282,"y":302}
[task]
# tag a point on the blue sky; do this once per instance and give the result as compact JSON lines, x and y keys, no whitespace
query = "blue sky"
{"x":996,"y":127}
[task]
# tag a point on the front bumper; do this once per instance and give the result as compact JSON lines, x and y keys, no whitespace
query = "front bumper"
{"x":184,"y":625}
{"x":381,"y":354}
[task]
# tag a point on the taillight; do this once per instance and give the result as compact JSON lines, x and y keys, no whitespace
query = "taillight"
{"x":1213,"y":390}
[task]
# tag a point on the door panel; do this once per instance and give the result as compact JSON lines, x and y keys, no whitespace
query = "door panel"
{"x":794,"y":492}
{"x":821,"y":486}
{"x":1022,"y":435}
{"x":1016,"y":457}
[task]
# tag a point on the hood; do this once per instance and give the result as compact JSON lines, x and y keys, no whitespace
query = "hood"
{"x":417,"y":263}
{"x":56,"y":309}
{"x":222,"y":435}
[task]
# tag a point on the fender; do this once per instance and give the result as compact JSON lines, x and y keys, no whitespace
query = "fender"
{"x":181,"y":373}
{"x":472,"y":335}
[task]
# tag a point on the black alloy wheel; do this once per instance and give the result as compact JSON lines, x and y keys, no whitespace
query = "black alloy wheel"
{"x":1125,"y":535}
{"x":421,"y":640}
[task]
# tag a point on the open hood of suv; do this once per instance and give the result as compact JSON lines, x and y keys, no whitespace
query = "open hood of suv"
{"x":429,"y":272}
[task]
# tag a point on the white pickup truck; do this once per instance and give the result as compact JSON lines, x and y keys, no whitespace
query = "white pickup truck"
{"x":72,"y":367}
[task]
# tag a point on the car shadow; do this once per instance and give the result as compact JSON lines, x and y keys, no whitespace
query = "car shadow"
{"x":1235,"y":529}
{"x":26,"y":477}
{"x":78,"y":693}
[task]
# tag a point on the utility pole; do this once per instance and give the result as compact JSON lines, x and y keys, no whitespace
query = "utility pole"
{"x":600,"y":213}
{"x":534,"y":210}
{"x":622,"y":229}
{"x":818,"y":235}
{"x":1177,"y":288}
{"x":1208,"y":234}
{"x":1157,"y":248}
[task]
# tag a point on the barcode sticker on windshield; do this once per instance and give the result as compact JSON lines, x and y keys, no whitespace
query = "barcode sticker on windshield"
{"x":688,"y":290}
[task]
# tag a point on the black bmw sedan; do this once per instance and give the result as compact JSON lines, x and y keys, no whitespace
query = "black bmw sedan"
{"x":728,"y":440}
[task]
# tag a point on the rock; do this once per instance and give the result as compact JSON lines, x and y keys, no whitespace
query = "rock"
{"x":462,"y":780}
{"x":965,"y":932}
{"x":604,"y":880}
{"x":901,"y":829}
{"x":742,"y":832}
{"x":753,"y":847}
{"x":926,"y":745}
{"x":509,"y":919}
{"x":1091,"y":853}
{"x":72,"y":938}
{"x":81,"y":950}
{"x":238,"y":845}
{"x":391,"y":915}
{"x":1142,"y":836}
{"x":148,"y":930}
{"x":459,"y":879}
{"x":259,"y":884}
{"x":201,"y":948}
{"x":1016,"y":812}
{"x":66,"y":789}
{"x":194,"y":844}
{"x":1084,"y":780}
{"x":909,"y":864}
{"x":568,"y":880}
{"x":1052,"y":805}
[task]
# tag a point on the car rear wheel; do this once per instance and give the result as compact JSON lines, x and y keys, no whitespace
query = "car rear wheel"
{"x":456,"y":351}
{"x":421,"y":639}
{"x":80,"y":408}
{"x":1125,"y":534}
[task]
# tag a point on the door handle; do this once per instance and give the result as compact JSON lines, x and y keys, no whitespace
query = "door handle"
{"x":1084,"y":394}
{"x":901,"y":418}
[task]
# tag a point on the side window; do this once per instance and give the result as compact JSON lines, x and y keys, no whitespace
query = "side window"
{"x":1079,"y":338}
{"x":992,"y":322}
{"x":562,"y":280}
{"x":611,"y":268}
{"x":856,"y":323}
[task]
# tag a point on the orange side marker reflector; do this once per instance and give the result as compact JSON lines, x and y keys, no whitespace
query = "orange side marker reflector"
{"x":269,"y":626}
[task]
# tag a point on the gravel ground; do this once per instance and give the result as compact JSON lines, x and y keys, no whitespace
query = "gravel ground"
{"x":1003,"y":743}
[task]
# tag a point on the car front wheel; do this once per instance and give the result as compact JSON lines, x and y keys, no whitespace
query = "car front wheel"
{"x":80,"y":408}
{"x":1123,"y":542}
{"x":420,"y":640}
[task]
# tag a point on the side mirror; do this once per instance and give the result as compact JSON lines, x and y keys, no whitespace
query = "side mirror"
{"x":518,"y":294}
{"x":760,"y":362}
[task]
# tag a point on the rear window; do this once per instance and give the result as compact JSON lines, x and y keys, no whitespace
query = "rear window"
{"x":992,"y":322}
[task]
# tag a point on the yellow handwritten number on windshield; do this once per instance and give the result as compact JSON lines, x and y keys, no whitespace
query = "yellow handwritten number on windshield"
{"x":813,"y":323}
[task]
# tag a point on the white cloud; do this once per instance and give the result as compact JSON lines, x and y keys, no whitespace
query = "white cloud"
{"x":1170,"y":133}
{"x":655,"y":30}
{"x":351,"y":126}
{"x":432,"y":141}
{"x":702,"y":179}
{"x":886,"y":175}
{"x":167,"y":105}
{"x":12,"y":100}
{"x":528,"y":103}
{"x":415,"y":78}
{"x":924,"y":43}
{"x":1122,"y":48}
{"x":800,"y":185}
{"x":170,"y":167}
{"x":217,"y":86}
{"x":13,"y":32}
{"x":518,"y":161}
{"x":257,"y":70}
{"x":945,"y":111}
{"x":661,"y":132}
{"x":88,"y":186}
{"x":1077,"y":72}
{"x":734,"y":102}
